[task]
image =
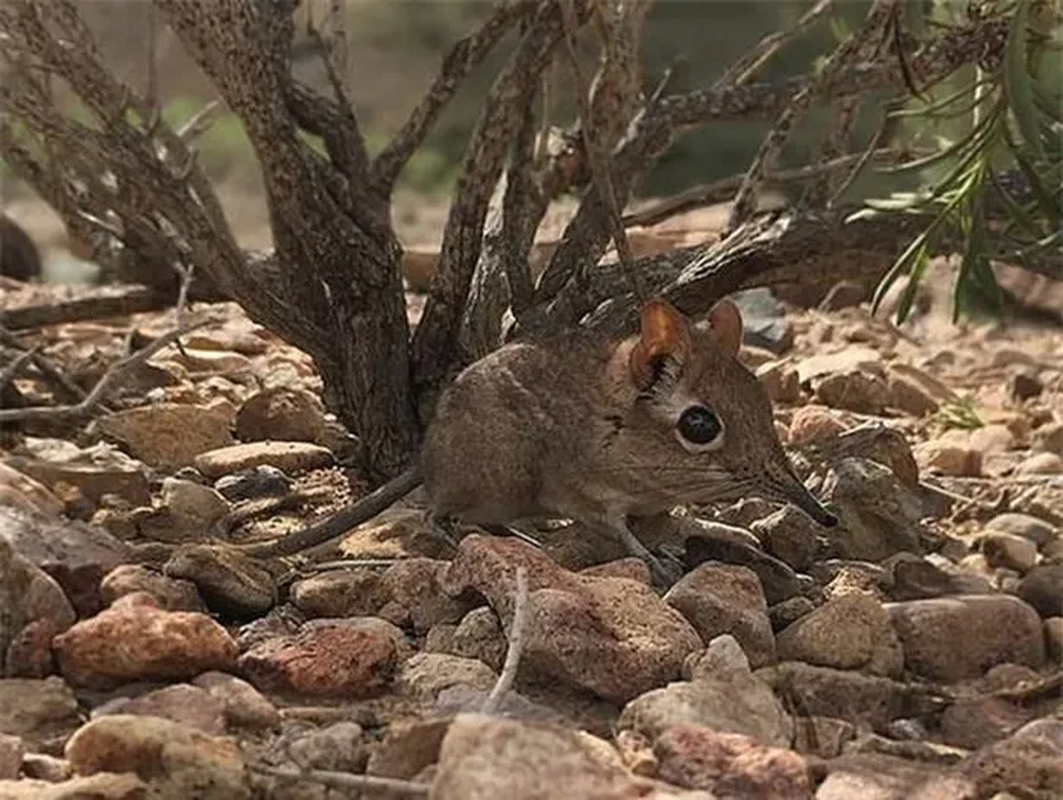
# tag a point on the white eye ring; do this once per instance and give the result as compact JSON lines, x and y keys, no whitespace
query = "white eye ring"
{"x":699,"y":429}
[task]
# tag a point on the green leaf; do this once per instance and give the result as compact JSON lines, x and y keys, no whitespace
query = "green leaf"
{"x":971,"y":141}
{"x":919,"y":267}
{"x":1018,"y":214}
{"x":1017,"y":81}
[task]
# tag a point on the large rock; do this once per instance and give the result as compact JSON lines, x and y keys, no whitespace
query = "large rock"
{"x":414,"y":586}
{"x":231,"y":582}
{"x":33,"y":605}
{"x":721,"y":598}
{"x":850,"y":631}
{"x":482,"y":758}
{"x":957,"y":638}
{"x":169,"y":436}
{"x":730,"y":765}
{"x":284,"y":413}
{"x":346,"y":660}
{"x":94,"y":471}
{"x":77,"y":555}
{"x":611,"y":636}
{"x":879,"y":515}
{"x":20,"y":491}
{"x":40,"y":712}
{"x":135,"y":640}
{"x":173,"y":759}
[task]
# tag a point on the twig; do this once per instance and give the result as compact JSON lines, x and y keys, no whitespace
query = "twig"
{"x":752,"y":62}
{"x":516,"y":645}
{"x":723,"y":189}
{"x":46,"y":367}
{"x":601,"y":170}
{"x":819,"y":191}
{"x":459,"y":62}
{"x":344,"y":780}
{"x":100,"y":303}
{"x":198,"y":124}
{"x":103,"y":386}
{"x":9,"y":372}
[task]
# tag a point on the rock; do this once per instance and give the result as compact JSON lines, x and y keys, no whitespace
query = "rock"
{"x":171,"y":594}
{"x":1054,"y":639}
{"x":711,"y":541}
{"x":415,"y":585}
{"x":1008,"y":676}
{"x":185,"y":512}
{"x":974,"y":722}
{"x":136,"y":640}
{"x":915,"y":392}
{"x":101,"y":786}
{"x":283,"y":413}
{"x":610,"y":636}
{"x":1042,"y":588}
{"x":845,"y":576}
{"x":174,"y":760}
{"x":864,"y":700}
{"x":729,"y":764}
{"x":764,"y":317}
{"x":1049,"y":438}
{"x":34,"y":609}
{"x":948,"y":456}
{"x":188,"y":705}
{"x":334,"y":660}
{"x":169,"y":436}
{"x":427,"y":674}
{"x":847,"y":360}
{"x":1024,"y":385}
{"x":408,"y":747}
{"x":1041,"y":464}
{"x":917,"y":578}
{"x":1025,"y":525}
{"x":11,"y":751}
{"x":1023,"y":765}
{"x":243,"y":705}
{"x":290,"y":457}
{"x":879,"y":515}
{"x":479,"y":635}
{"x":779,"y":381}
{"x":40,"y":712}
{"x":1009,"y":551}
{"x":484,"y":757}
{"x":93,"y":471}
{"x":787,"y":612}
{"x":723,"y":695}
{"x":231,"y":582}
{"x":282,"y":620}
{"x":790,"y":535}
{"x":632,"y":568}
{"x":856,"y":391}
{"x":260,"y":481}
{"x":338,"y":748}
{"x":721,"y":598}
{"x":851,"y":631}
{"x":873,"y":776}
{"x":357,"y":592}
{"x":813,"y":423}
{"x":76,"y":555}
{"x":951,"y":639}
{"x":20,"y":491}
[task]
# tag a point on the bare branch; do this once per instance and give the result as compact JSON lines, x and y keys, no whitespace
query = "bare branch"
{"x":516,"y":645}
{"x":100,"y":391}
{"x":199,"y":123}
{"x":11,"y":371}
{"x":840,"y":61}
{"x":834,"y":142}
{"x":436,"y":338}
{"x":600,"y":167}
{"x":462,"y":59}
{"x":44,"y":365}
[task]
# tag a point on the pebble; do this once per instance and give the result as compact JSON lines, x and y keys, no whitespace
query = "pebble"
{"x":790,"y":535}
{"x":40,"y":712}
{"x":1009,"y":551}
{"x":357,"y":592}
{"x":136,"y":640}
{"x":1042,"y":588}
{"x":18,"y":490}
{"x":260,"y":481}
{"x":858,"y":391}
{"x":12,"y":749}
{"x":779,"y":380}
{"x":480,"y":635}
{"x":1041,"y":464}
{"x":100,"y":786}
{"x":282,"y":413}
{"x":1025,"y":525}
{"x":726,"y":544}
{"x":243,"y":705}
{"x":426,"y":675}
{"x":915,"y":392}
{"x":1054,"y":639}
{"x":949,"y":456}
{"x":231,"y":582}
{"x":172,"y":594}
{"x":956,"y":638}
{"x":339,"y":747}
{"x":1049,"y":437}
{"x":813,"y":423}
{"x":180,"y":702}
{"x":723,"y":598}
{"x":415,"y":585}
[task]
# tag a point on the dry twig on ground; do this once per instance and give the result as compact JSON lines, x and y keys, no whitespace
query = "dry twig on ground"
{"x":516,"y":645}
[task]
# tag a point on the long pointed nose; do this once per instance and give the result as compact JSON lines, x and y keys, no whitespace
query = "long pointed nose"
{"x":795,"y":492}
